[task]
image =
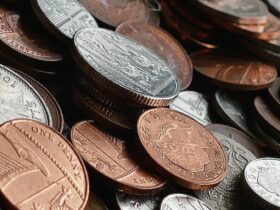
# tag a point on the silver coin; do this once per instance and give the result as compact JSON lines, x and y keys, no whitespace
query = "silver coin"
{"x":274,"y":5}
{"x":193,"y":104}
{"x":182,"y":202}
{"x":124,"y":66}
{"x":18,"y":99}
{"x":66,"y":16}
{"x":227,"y":195}
{"x":263,"y":177}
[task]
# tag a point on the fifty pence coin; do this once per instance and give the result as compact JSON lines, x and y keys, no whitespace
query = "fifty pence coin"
{"x":40,"y":169}
{"x":262,"y":178}
{"x":227,"y":195}
{"x":63,"y":18}
{"x":109,"y":158}
{"x":193,"y":104}
{"x":18,"y":99}
{"x":236,"y":72}
{"x":124,"y":68}
{"x":182,"y":202}
{"x":181,"y":149}
{"x":162,"y":43}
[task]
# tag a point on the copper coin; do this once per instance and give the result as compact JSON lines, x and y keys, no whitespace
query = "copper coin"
{"x":239,"y":11}
{"x":110,"y":158}
{"x":162,"y":43}
{"x":181,"y":149}
{"x":233,"y":71}
{"x":63,"y":18}
{"x":274,"y":96}
{"x":265,"y":117}
{"x":115,"y":12}
{"x":124,"y":68}
{"x":94,"y":203}
{"x":40,"y":169}
{"x":54,"y":108}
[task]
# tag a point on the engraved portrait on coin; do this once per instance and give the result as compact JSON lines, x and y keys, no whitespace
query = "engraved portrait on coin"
{"x":18,"y":99}
{"x":226,"y":195}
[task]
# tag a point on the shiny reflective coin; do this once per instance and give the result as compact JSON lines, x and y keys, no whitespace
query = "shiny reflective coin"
{"x":228,"y":194}
{"x":181,"y":149}
{"x":63,"y":18}
{"x":229,"y":108}
{"x":124,"y":68}
{"x":40,"y":169}
{"x":162,"y":43}
{"x":94,"y":203}
{"x":265,"y":117}
{"x":237,"y":136}
{"x":194,"y":105}
{"x":274,"y":5}
{"x":115,"y":12}
{"x":110,"y":158}
{"x":237,"y":72}
{"x":262,"y":178}
{"x":18,"y":99}
{"x":274,"y":96}
{"x":240,"y":11}
{"x":182,"y":202}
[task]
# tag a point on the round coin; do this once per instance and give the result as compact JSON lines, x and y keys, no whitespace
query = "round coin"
{"x":227,"y":195}
{"x":124,"y":68}
{"x":182,"y":202}
{"x":40,"y":169}
{"x":109,"y":157}
{"x":240,"y":11}
{"x":63,"y":18}
{"x":20,"y":100}
{"x":114,"y":12}
{"x":181,"y":148}
{"x":237,"y":136}
{"x":94,"y":203}
{"x":194,"y":105}
{"x":237,"y":72}
{"x":262,"y":178}
{"x":162,"y":43}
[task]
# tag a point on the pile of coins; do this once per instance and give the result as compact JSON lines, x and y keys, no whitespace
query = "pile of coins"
{"x":139,"y":104}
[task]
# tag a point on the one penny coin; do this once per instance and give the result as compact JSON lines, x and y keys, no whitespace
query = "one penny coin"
{"x":182,"y":202}
{"x":40,"y":169}
{"x":237,"y":72}
{"x":109,"y":158}
{"x":63,"y":18}
{"x":124,"y":68}
{"x":162,"y":43}
{"x":181,"y":148}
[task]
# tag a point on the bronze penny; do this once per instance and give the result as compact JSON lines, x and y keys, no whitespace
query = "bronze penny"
{"x":110,"y":158}
{"x":18,"y":37}
{"x":265,"y":117}
{"x":164,"y":45}
{"x":232,"y":71}
{"x":181,"y":148}
{"x":114,"y":12}
{"x":40,"y":169}
{"x":237,"y":136}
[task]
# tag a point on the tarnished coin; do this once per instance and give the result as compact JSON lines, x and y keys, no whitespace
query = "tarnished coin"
{"x":40,"y":169}
{"x":162,"y":43}
{"x":274,"y":96}
{"x":109,"y":158}
{"x":94,"y":203}
{"x":193,"y":104}
{"x":274,"y":5}
{"x":262,"y":178}
{"x":228,"y":194}
{"x":181,"y":148}
{"x":265,"y":117}
{"x":115,"y":12}
{"x":124,"y":68}
{"x":18,"y":99}
{"x":232,"y":71}
{"x":240,"y":11}
{"x":63,"y":18}
{"x":182,"y":202}
{"x":237,"y":136}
